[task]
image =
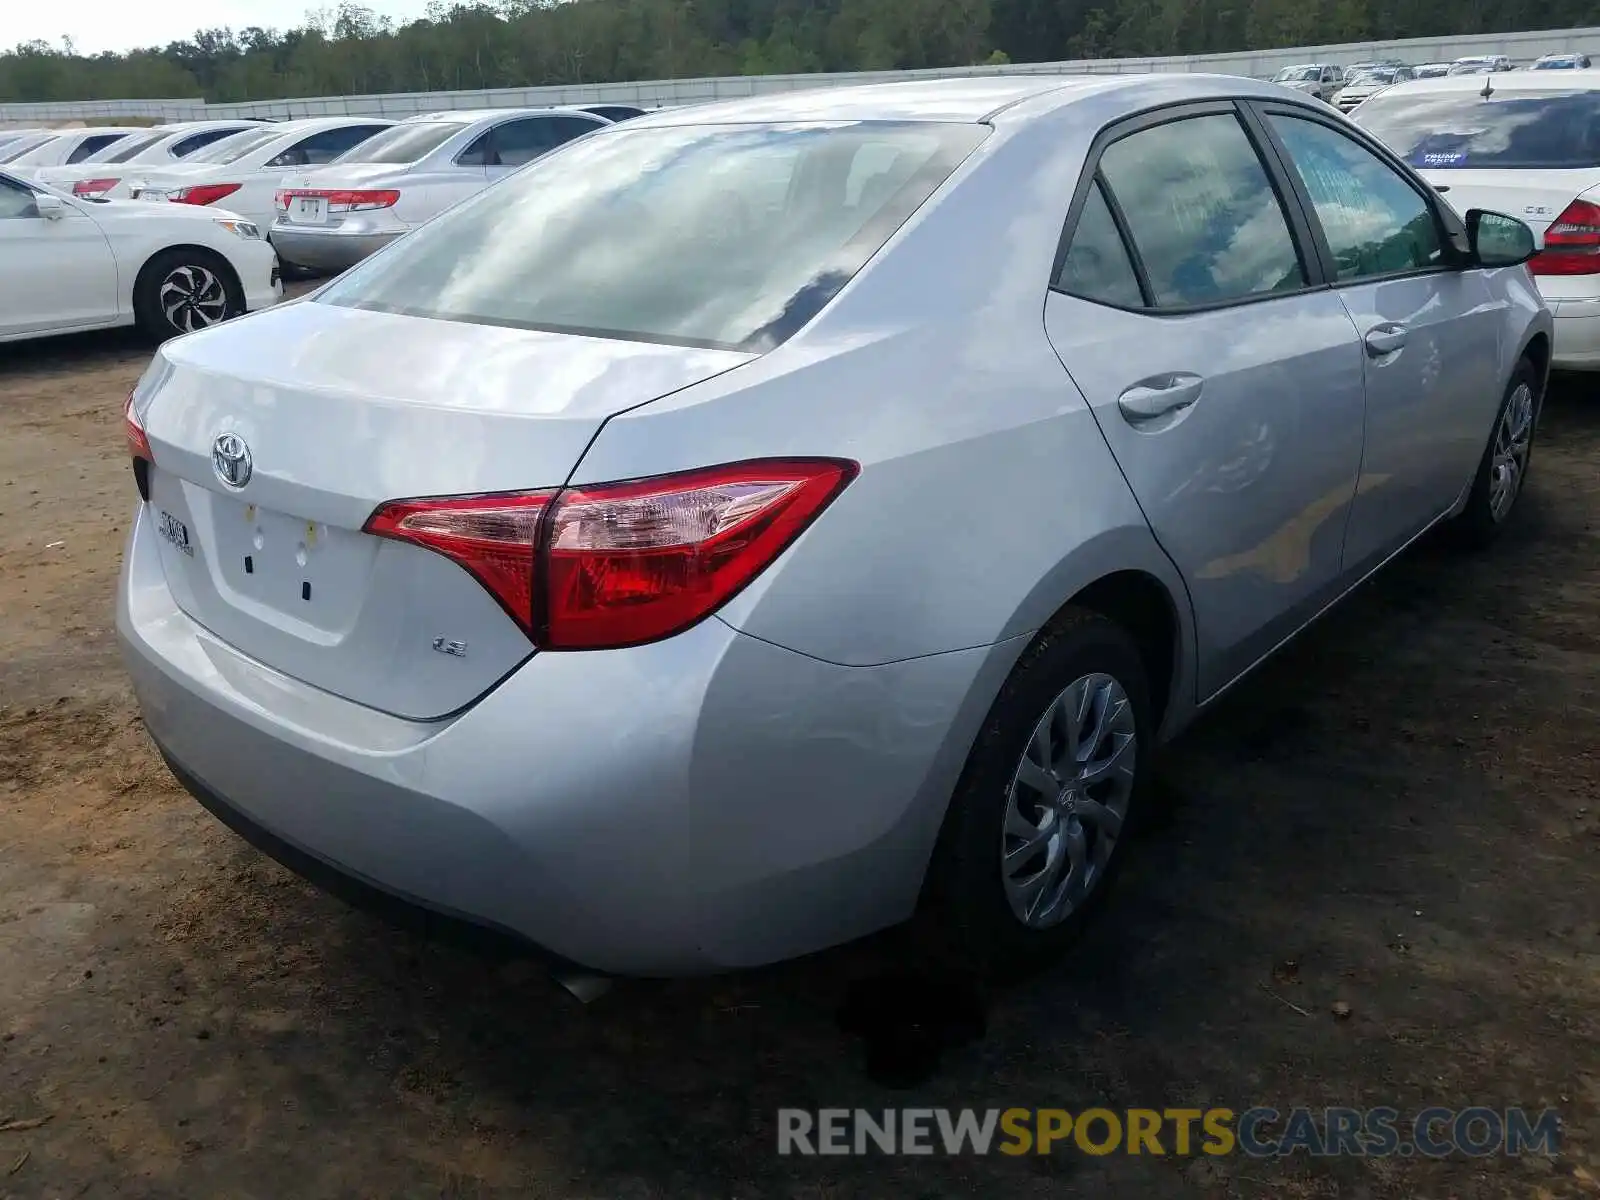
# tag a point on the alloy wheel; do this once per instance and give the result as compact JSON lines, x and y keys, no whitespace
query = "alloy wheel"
{"x":192,"y":297}
{"x":1068,"y":801}
{"x":1513,"y":439}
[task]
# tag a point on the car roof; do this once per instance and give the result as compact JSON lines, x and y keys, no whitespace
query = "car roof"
{"x":965,"y":100}
{"x":469,"y":115}
{"x":1508,"y":81}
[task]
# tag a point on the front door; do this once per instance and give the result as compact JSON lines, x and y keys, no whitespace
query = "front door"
{"x":1430,"y":332}
{"x":59,"y":272}
{"x":1228,"y":387}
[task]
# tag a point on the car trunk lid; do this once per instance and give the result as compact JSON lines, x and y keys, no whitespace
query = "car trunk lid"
{"x":338,"y":410}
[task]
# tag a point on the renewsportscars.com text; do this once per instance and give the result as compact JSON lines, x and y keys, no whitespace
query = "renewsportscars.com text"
{"x":1260,"y":1132}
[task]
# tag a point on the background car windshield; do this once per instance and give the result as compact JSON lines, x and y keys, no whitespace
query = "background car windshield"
{"x":1296,"y":74}
{"x":235,"y":147}
{"x":727,"y":236}
{"x":401,"y":144}
{"x":1378,"y":75}
{"x":126,"y":149}
{"x":1509,"y":130}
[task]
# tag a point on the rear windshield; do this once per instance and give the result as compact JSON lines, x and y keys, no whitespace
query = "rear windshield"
{"x":730,"y":236}
{"x":1508,"y":130}
{"x":16,"y":150}
{"x":235,"y":146}
{"x":405,"y":143}
{"x":127,"y":148}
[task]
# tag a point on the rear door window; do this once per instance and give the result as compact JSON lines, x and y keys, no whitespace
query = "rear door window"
{"x":517,"y":143}
{"x":93,"y":145}
{"x":1204,"y":216}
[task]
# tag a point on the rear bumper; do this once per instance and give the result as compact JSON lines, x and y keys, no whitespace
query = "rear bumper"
{"x":699,"y":804}
{"x":327,"y":249}
{"x":1577,"y":335}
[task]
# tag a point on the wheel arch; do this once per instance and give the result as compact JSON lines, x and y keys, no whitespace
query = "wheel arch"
{"x":1125,"y":576}
{"x":227,"y":272}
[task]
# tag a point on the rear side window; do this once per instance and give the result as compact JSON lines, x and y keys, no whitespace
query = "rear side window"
{"x":93,"y":145}
{"x":323,"y":147}
{"x":731,"y":236}
{"x":400,"y":144}
{"x":1540,"y":131}
{"x":517,"y":143}
{"x":1202,"y":212}
{"x":127,"y":148}
{"x":1375,"y":222}
{"x":187,"y":146}
{"x":1097,"y":266}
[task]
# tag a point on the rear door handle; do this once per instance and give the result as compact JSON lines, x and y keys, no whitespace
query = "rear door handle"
{"x":1385,"y":339}
{"x":1159,"y":396}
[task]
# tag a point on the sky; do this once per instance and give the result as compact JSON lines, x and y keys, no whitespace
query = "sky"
{"x":96,"y":25}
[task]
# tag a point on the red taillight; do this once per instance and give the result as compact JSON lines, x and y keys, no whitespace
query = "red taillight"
{"x":613,"y":565}
{"x":341,"y":199}
{"x":94,"y":187}
{"x":280,"y":200}
{"x":203,"y":193}
{"x":138,"y":443}
{"x":491,"y":536}
{"x":1572,"y":243}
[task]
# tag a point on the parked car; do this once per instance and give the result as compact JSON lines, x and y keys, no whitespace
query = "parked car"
{"x":1561,"y":62}
{"x":757,"y":524}
{"x":105,"y":175}
{"x":242,"y":173}
{"x":1529,"y":147}
{"x":73,"y":264}
{"x":1484,"y":64}
{"x":1321,"y":80}
{"x":1364,"y":84}
{"x":1431,"y":70}
{"x":332,"y":217}
{"x":65,"y":148}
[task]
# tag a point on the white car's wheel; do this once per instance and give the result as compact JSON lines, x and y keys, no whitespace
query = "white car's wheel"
{"x":185,"y":290}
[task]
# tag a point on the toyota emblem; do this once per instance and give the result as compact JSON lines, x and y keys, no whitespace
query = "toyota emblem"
{"x":230,"y":457}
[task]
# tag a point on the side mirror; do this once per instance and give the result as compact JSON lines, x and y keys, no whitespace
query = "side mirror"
{"x":1497,"y":240}
{"x":51,"y":208}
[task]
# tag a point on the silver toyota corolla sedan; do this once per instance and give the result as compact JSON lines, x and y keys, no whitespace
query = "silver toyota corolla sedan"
{"x":756,"y":525}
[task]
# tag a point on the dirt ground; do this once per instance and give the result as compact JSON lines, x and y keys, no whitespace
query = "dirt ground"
{"x":1405,"y":805}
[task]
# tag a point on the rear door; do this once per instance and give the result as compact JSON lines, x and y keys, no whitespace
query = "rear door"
{"x":1430,"y":332}
{"x":1227,"y":382}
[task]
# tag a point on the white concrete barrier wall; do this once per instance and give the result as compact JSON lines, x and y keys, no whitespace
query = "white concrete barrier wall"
{"x":1521,"y":47}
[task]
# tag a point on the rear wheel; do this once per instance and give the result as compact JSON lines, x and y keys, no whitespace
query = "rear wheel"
{"x":1036,"y":829}
{"x":1503,"y":470}
{"x":184,"y":290}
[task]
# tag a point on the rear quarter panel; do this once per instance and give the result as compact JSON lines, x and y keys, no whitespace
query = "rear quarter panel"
{"x":987,"y":495}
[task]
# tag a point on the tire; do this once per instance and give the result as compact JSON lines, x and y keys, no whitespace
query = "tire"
{"x":1489,"y":508}
{"x":973,"y":916}
{"x":183,"y":290}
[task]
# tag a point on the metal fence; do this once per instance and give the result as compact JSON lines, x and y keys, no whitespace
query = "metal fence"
{"x":1520,"y":47}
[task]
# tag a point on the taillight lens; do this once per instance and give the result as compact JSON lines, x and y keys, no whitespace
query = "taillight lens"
{"x":493,"y":537}
{"x":341,"y":199}
{"x":203,"y":193}
{"x":1572,"y":243}
{"x":93,"y":187}
{"x":599,"y":567}
{"x":138,"y":443}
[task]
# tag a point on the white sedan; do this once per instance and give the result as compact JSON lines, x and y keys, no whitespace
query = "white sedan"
{"x":242,"y":172}
{"x":73,"y":264}
{"x":65,"y":148}
{"x":106,"y":174}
